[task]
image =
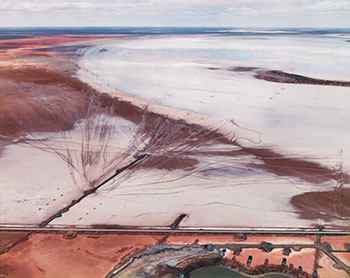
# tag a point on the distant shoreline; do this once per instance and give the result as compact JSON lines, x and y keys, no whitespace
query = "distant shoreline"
{"x":7,"y":33}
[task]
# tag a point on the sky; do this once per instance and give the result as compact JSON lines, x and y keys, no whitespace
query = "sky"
{"x":216,"y":13}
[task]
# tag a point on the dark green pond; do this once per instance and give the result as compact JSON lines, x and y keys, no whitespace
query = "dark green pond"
{"x":220,"y":272}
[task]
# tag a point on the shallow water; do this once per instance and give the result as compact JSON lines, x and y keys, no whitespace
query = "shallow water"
{"x":213,"y":272}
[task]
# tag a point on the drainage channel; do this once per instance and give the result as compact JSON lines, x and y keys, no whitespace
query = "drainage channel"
{"x":89,"y":192}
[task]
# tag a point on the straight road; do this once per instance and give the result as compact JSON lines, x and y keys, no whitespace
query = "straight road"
{"x":191,"y":230}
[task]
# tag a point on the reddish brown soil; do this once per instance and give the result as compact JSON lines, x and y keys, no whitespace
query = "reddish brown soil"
{"x":85,"y":255}
{"x":285,"y":77}
{"x":327,"y":205}
{"x":35,"y":75}
{"x":31,"y":107}
{"x":251,"y":239}
{"x":44,"y":41}
{"x":243,"y":69}
{"x":169,"y":162}
{"x":293,"y":167}
{"x":38,"y":100}
{"x":7,"y":238}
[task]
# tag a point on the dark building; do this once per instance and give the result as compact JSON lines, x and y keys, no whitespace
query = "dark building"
{"x":240,"y":236}
{"x":266,"y":246}
{"x":286,"y":251}
{"x":237,"y":251}
{"x":249,"y":261}
{"x":328,"y":247}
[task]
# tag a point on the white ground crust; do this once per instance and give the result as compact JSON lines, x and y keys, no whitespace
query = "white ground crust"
{"x":30,"y":181}
{"x":306,"y":120}
{"x":219,"y":199}
{"x":36,"y":176}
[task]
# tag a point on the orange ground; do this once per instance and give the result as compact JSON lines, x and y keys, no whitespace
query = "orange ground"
{"x":251,"y":239}
{"x":327,"y":270}
{"x":344,"y":257}
{"x":304,"y":258}
{"x":86,"y":255}
{"x":52,"y":255}
{"x":337,"y":242}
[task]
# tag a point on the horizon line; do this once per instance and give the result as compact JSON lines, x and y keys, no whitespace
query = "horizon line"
{"x":133,"y":26}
